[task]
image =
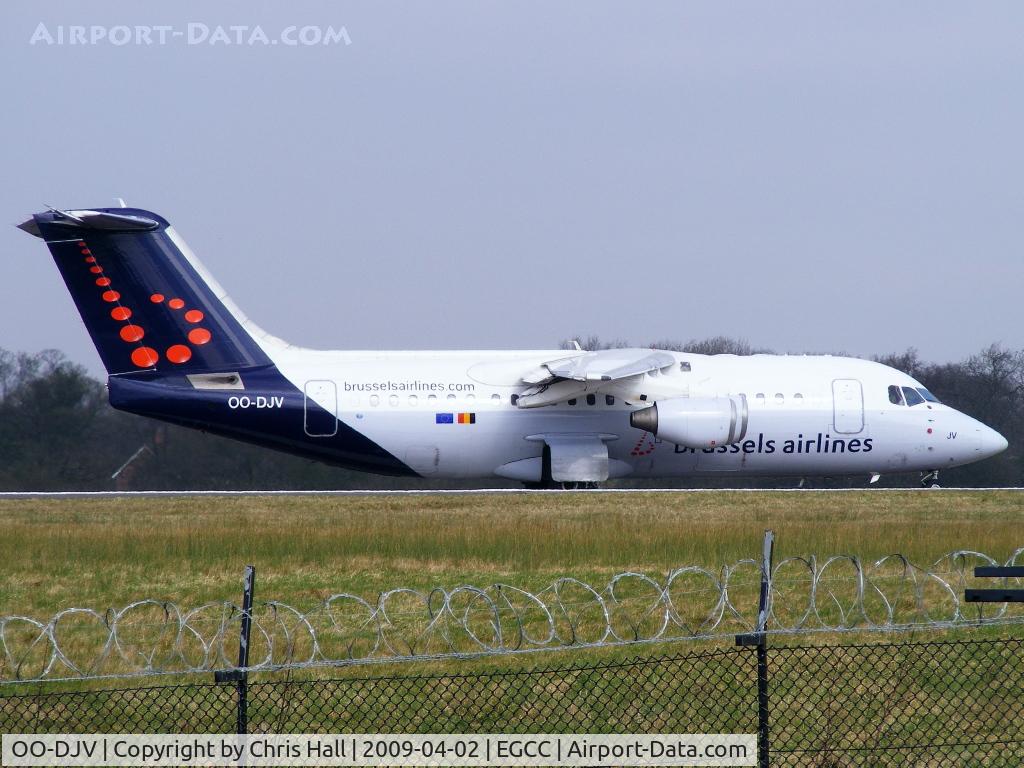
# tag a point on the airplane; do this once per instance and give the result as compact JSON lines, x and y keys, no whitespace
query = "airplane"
{"x":178,"y":349}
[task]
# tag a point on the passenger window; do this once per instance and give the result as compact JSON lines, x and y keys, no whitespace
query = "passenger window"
{"x":431,"y":398}
{"x":515,"y":399}
{"x":760,"y":398}
{"x":895,"y":396}
{"x":927,"y":395}
{"x":609,"y":400}
{"x":374,"y":400}
{"x":591,"y":399}
{"x":779,"y":398}
{"x":912,"y":397}
{"x":393,"y":400}
{"x":573,"y":401}
{"x":413,"y":400}
{"x":451,"y":397}
{"x":495,"y":397}
{"x":684,"y":367}
{"x":471,"y":396}
{"x":798,"y":399}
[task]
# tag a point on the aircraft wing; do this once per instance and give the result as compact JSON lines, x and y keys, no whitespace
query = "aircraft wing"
{"x":610,"y":364}
{"x":567,"y":377}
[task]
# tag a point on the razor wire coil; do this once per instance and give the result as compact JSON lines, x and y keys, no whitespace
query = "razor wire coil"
{"x":839,"y":593}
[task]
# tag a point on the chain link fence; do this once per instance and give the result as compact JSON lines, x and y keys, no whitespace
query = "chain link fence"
{"x":947,"y":703}
{"x":907,"y":704}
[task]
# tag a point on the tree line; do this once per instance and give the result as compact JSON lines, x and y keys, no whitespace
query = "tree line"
{"x":58,"y":433}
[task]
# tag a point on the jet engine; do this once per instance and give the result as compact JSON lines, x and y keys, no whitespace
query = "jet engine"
{"x":698,"y":422}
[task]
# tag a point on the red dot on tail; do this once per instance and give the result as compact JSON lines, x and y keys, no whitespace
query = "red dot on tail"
{"x":102,"y":282}
{"x":175,"y":303}
{"x":145,"y":357}
{"x":111,"y":296}
{"x":179,"y":353}
{"x":90,"y":259}
{"x":156,"y":298}
{"x":120,"y":313}
{"x":96,"y":270}
{"x":131,"y":333}
{"x":194,"y":316}
{"x":82,"y":243}
{"x":199,"y":336}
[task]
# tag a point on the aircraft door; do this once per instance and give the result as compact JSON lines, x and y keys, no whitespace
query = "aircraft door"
{"x":848,"y":406}
{"x":320,"y":408}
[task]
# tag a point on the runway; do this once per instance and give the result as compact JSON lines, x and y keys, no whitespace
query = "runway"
{"x":471,"y":491}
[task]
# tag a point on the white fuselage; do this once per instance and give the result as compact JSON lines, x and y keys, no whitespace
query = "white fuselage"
{"x":808,"y":415}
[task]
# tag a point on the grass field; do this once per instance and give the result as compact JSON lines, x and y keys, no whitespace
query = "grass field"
{"x":109,"y":551}
{"x":100,"y":553}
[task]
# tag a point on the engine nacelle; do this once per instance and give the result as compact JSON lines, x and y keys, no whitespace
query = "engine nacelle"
{"x":695,"y":422}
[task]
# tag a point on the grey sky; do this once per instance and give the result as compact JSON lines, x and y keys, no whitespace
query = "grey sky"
{"x":810,"y":176}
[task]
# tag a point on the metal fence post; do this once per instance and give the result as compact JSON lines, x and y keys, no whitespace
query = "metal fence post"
{"x":239,"y":676}
{"x":759,"y":639}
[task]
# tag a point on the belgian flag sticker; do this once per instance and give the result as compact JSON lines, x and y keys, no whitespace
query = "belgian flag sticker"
{"x":455,"y":418}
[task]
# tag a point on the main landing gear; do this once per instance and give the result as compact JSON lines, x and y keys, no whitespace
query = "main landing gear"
{"x":548,"y":483}
{"x":563,"y":486}
{"x":930,"y":479}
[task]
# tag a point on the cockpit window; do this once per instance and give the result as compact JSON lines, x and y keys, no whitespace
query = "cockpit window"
{"x":927,"y":395}
{"x":913,"y":398}
{"x":895,"y":396}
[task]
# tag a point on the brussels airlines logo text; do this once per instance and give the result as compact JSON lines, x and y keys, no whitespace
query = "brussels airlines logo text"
{"x":414,"y":385}
{"x":193,"y":33}
{"x":820,"y":443}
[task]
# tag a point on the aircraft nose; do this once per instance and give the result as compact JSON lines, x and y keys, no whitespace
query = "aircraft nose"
{"x":991,"y":442}
{"x":975,"y":440}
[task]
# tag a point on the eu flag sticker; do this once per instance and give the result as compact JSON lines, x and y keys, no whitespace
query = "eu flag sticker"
{"x":444,"y":418}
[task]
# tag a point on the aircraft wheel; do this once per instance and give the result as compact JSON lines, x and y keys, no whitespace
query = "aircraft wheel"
{"x":568,"y":485}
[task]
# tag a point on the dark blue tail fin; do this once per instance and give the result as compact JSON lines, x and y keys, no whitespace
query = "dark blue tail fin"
{"x":145,"y":300}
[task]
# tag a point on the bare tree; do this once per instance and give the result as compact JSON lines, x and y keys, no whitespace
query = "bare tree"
{"x":909,"y":362}
{"x":592,"y":342}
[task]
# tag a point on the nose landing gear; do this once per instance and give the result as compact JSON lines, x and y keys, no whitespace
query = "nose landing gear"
{"x":930,"y":479}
